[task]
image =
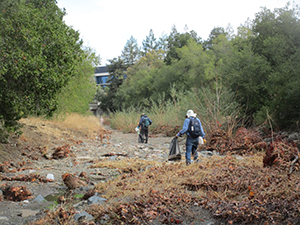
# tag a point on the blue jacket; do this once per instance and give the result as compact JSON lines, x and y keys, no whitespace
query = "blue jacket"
{"x":186,"y":127}
{"x":141,"y":122}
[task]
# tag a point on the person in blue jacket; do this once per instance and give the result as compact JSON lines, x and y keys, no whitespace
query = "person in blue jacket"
{"x":144,"y":124}
{"x":191,"y":142}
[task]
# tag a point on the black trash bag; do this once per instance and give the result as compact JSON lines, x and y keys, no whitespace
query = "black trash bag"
{"x":174,"y":153}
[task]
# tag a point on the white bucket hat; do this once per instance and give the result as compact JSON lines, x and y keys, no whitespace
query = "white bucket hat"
{"x":191,"y":113}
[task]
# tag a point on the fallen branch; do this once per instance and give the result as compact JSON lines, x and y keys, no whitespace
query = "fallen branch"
{"x":293,"y":163}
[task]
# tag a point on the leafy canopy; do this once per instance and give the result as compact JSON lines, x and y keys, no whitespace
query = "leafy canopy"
{"x":38,"y":56}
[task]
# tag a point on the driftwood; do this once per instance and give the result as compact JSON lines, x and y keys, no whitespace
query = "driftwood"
{"x":293,"y":163}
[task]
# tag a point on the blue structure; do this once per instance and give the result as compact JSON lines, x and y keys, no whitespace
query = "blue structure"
{"x":101,"y":76}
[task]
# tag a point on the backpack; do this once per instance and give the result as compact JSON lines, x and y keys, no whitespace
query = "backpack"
{"x":146,"y":122}
{"x":194,"y":127}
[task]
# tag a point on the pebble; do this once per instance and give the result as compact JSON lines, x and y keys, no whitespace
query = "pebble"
{"x":50,"y":176}
{"x":3,"y":218}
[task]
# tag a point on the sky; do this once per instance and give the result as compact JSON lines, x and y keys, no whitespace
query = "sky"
{"x":106,"y":25}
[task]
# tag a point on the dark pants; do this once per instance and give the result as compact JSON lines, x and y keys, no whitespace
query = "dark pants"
{"x":144,"y":132}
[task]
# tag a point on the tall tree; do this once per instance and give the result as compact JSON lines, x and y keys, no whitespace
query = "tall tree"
{"x":150,"y":44}
{"x":178,"y":40}
{"x":163,"y":42}
{"x":215,"y":33}
{"x":80,"y":90}
{"x":38,"y":55}
{"x":117,"y":74}
{"x":131,"y":52}
{"x":277,"y":39}
{"x":138,"y":86}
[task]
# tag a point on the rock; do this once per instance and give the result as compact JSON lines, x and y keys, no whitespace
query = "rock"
{"x":104,"y":219}
{"x":39,"y":199}
{"x":50,"y":176}
{"x":3,"y":218}
{"x":113,"y":157}
{"x":96,"y":200}
{"x":98,"y":177}
{"x":206,"y":153}
{"x":27,"y":212}
{"x":81,"y":203}
{"x":293,"y":136}
{"x":83,"y":215}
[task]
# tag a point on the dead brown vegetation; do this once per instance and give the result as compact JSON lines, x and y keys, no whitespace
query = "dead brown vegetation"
{"x":16,"y":193}
{"x":239,"y":186}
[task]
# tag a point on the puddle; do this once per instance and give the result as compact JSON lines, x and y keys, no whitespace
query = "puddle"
{"x":54,"y":196}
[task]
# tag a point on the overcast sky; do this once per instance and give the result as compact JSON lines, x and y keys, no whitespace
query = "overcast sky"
{"x":106,"y":25}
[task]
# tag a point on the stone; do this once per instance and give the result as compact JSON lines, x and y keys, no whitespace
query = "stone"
{"x":50,"y":176}
{"x":27,"y":212}
{"x":113,"y":157}
{"x":96,"y":200}
{"x":81,"y":203}
{"x":83,"y":215}
{"x":3,"y":218}
{"x":206,"y":153}
{"x":98,"y":177}
{"x":39,"y":199}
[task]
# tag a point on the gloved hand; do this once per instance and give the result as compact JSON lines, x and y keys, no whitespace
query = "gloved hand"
{"x":178,"y":135}
{"x":137,"y":129}
{"x":204,"y":140}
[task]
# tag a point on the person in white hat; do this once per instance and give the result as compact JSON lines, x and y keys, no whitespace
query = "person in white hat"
{"x":193,"y":128}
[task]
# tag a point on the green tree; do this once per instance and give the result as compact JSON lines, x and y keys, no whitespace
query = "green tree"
{"x":178,"y":40}
{"x":150,"y":44}
{"x":277,"y":40}
{"x":138,"y":86}
{"x":131,"y":52}
{"x":117,"y":74}
{"x":80,"y":90}
{"x":38,"y":56}
{"x":215,"y":33}
{"x":163,"y":42}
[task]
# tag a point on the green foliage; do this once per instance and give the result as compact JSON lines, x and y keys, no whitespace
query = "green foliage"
{"x":164,"y":115}
{"x":117,"y":74}
{"x":214,"y":106}
{"x":177,"y":40}
{"x":214,"y":34}
{"x":125,"y":120}
{"x":260,"y":65}
{"x":131,"y":52}
{"x":248,"y":76}
{"x":277,"y":40}
{"x":150,"y":44}
{"x":138,"y":85}
{"x":38,"y":56}
{"x":80,"y":90}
